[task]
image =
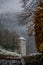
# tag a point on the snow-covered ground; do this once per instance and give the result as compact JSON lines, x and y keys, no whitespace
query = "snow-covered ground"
{"x":7,"y":53}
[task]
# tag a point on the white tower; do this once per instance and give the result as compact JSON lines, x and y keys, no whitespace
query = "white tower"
{"x":23,"y":46}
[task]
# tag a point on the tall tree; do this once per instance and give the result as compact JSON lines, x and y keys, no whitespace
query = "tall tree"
{"x":39,"y":26}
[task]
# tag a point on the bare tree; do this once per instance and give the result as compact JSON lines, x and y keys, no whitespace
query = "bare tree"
{"x":28,"y":10}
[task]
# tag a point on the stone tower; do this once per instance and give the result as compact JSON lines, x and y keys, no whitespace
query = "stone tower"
{"x":23,"y":46}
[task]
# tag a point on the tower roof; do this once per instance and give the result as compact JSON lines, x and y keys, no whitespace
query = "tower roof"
{"x":22,"y":38}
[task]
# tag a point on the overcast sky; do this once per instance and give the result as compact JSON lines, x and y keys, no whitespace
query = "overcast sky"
{"x":13,"y":6}
{"x":10,"y":5}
